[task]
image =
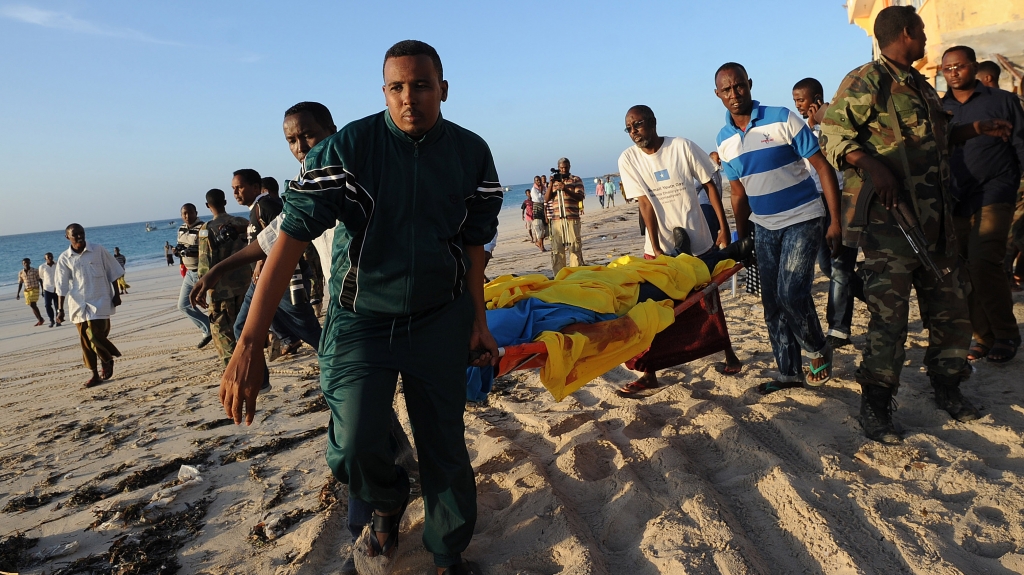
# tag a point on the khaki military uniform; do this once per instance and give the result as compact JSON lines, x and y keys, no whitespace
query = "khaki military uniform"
{"x":227,"y":296}
{"x":858,"y":119}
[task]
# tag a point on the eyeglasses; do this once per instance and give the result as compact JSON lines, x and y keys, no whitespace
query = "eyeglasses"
{"x":955,"y":67}
{"x":634,"y":126}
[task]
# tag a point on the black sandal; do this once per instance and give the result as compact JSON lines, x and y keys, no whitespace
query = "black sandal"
{"x":1006,"y":348}
{"x":386,"y":524}
{"x":976,"y":352}
{"x":464,"y":568}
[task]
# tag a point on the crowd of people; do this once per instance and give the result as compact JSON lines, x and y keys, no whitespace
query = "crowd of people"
{"x":922,"y":187}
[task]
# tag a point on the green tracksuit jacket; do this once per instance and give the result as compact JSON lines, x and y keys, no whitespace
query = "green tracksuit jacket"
{"x":407,"y":209}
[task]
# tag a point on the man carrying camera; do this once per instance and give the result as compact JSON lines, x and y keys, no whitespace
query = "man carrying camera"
{"x":188,"y":250}
{"x":218,"y":239}
{"x":563,"y":198}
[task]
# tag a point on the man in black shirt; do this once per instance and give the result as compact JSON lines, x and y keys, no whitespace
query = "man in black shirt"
{"x":299,"y":318}
{"x":987,"y":173}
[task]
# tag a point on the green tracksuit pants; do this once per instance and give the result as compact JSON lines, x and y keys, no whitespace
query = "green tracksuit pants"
{"x":361,"y":358}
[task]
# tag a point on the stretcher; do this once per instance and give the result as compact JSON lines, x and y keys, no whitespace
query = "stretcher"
{"x":699,"y":330}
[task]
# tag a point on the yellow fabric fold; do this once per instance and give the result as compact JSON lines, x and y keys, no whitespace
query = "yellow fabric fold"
{"x":577,"y":358}
{"x":605,"y":289}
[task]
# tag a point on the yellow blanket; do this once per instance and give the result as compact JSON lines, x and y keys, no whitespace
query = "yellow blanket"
{"x":577,"y":358}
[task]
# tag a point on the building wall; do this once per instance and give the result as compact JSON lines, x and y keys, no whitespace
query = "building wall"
{"x":988,"y":26}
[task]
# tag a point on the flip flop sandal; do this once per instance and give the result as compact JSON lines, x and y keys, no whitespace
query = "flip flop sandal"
{"x":976,"y":352}
{"x":106,"y":370}
{"x":827,"y":354}
{"x":96,"y":380}
{"x":776,"y":385}
{"x":725,"y":369}
{"x":1006,"y":348}
{"x":382,"y":562}
{"x":634,"y":388}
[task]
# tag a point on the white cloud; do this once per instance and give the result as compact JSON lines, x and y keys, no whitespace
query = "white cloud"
{"x":65,"y":21}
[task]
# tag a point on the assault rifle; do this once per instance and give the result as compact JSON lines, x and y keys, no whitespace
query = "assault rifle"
{"x":906,"y":219}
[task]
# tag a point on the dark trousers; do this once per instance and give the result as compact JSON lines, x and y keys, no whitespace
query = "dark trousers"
{"x":299,"y":320}
{"x":50,"y":298}
{"x":845,"y":286}
{"x":360,"y":362}
{"x":785,"y":259}
{"x":92,"y":334}
{"x":712,"y":219}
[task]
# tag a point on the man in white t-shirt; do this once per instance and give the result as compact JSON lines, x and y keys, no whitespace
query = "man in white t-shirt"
{"x":664,"y":173}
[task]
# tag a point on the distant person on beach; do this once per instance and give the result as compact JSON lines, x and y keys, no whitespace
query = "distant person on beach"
{"x":87,"y":281}
{"x":219,"y":238}
{"x":540,"y":226}
{"x":762,"y":150}
{"x":439,"y":321}
{"x":29,"y":279}
{"x":855,"y":138}
{"x":169,"y":253}
{"x":563,"y":198}
{"x":609,"y":193}
{"x":599,"y":192}
{"x":187,"y":250}
{"x":527,"y":216}
{"x":48,"y":275}
{"x":121,"y":283}
{"x":844,"y":284}
{"x":662,"y":173}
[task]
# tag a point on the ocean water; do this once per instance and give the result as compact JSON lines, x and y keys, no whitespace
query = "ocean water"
{"x":141,"y":248}
{"x":145,"y":249}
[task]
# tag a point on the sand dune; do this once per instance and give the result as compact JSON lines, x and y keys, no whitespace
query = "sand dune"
{"x":703,"y":476}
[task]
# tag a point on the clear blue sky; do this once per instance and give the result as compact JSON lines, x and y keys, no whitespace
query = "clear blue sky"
{"x":119,"y":111}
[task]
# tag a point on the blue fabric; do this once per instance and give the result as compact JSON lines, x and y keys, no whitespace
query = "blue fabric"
{"x":522,"y":323}
{"x":761,"y":161}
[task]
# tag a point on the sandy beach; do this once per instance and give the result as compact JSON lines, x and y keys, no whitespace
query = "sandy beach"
{"x":703,"y":476}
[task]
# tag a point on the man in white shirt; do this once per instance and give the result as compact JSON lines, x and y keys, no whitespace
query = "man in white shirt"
{"x":48,"y":273}
{"x":664,"y":173}
{"x":661,"y":172}
{"x":87,"y":279}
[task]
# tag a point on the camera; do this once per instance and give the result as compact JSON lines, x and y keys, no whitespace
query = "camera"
{"x":224,"y":235}
{"x":187,"y":251}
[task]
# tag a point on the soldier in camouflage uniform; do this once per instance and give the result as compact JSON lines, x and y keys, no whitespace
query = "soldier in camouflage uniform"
{"x":857,"y":137}
{"x":218,"y":239}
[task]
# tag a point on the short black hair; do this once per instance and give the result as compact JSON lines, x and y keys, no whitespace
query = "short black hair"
{"x":319,"y":112}
{"x":645,"y":111}
{"x":73,"y":225}
{"x":415,"y":48}
{"x":26,"y":260}
{"x":215,"y":198}
{"x":249,"y":176}
{"x":967,"y":50}
{"x":48,"y":254}
{"x":891,"y":22}
{"x":270,"y":184}
{"x":189,"y":206}
{"x":991,"y":68}
{"x":731,"y":66}
{"x":811,"y":85}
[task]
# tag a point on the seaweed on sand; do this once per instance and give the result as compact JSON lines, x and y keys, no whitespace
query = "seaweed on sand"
{"x":273,"y":446}
{"x":152,"y":551}
{"x":13,"y":552}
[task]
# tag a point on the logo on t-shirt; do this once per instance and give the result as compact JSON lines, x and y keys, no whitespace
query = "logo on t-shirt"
{"x":767,"y":139}
{"x":661,"y":176}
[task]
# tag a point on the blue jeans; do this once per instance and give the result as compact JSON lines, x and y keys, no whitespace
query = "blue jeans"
{"x":712,"y":219}
{"x":289,"y":319}
{"x":785,"y":258}
{"x":844,"y":287}
{"x":198,"y":316}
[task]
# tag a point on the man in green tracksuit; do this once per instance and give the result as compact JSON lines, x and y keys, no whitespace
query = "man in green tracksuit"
{"x":417,"y":197}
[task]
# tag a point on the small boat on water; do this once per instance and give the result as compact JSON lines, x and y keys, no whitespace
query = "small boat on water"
{"x":149,"y":227}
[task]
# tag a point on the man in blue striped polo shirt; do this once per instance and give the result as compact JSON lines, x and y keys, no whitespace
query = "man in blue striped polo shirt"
{"x":762,"y":149}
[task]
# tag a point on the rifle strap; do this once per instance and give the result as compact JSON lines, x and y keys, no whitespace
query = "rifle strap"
{"x":897,"y":132}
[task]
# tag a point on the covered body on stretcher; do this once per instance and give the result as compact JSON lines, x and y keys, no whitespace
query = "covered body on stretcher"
{"x":648,"y":314}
